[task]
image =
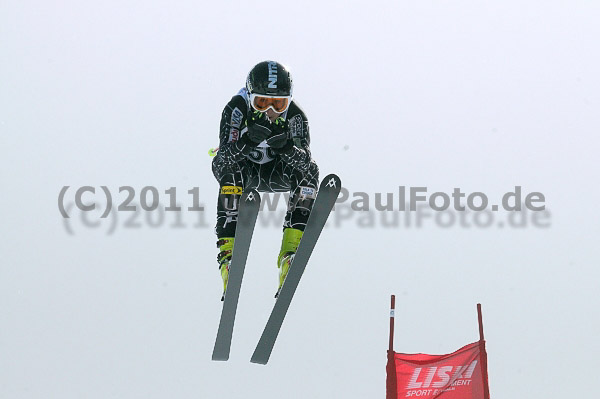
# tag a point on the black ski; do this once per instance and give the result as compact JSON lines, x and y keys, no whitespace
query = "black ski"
{"x":248,"y":212}
{"x":326,"y":197}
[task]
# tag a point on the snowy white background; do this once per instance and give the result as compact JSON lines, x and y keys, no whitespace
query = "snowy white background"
{"x":478,"y":95}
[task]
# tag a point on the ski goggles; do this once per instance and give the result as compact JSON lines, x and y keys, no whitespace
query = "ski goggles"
{"x":262,"y":102}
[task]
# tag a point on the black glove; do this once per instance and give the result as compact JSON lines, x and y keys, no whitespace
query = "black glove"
{"x":279,"y":137}
{"x":259,"y":128}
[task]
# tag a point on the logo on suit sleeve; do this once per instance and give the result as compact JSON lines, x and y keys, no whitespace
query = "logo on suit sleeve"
{"x":236,"y":122}
{"x":295,"y":124}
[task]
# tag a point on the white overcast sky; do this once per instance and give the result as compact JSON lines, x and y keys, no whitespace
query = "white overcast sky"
{"x":478,"y":95}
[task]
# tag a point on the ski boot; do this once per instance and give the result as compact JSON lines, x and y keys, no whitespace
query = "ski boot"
{"x":289,"y":245}
{"x":225,"y":246}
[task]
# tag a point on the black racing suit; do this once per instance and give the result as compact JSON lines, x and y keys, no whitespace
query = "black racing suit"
{"x":240,"y":167}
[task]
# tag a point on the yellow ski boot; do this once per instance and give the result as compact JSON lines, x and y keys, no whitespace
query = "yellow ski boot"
{"x":289,"y":245}
{"x":225,"y":246}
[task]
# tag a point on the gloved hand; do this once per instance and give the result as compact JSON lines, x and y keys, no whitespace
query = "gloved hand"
{"x":259,"y":128}
{"x":279,"y":136}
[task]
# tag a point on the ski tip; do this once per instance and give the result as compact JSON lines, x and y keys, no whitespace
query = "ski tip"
{"x":329,"y":176}
{"x":251,"y":196}
{"x":218,"y":358}
{"x":332,"y":180}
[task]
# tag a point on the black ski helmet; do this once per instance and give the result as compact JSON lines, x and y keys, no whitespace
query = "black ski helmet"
{"x":270,"y":78}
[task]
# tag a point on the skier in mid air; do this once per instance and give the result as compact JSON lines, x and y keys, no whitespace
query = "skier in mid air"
{"x":264,"y":145}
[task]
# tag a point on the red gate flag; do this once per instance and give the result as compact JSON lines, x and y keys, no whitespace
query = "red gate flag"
{"x":458,"y":375}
